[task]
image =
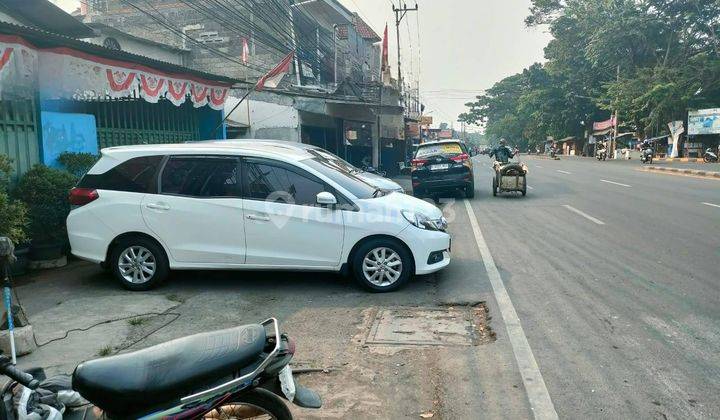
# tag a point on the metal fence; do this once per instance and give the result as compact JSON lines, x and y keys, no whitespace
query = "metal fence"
{"x":131,"y":120}
{"x":19,"y":134}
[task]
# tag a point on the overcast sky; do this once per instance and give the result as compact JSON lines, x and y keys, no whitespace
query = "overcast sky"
{"x":465,"y":45}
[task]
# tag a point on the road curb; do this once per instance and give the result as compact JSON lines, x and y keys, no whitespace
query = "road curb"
{"x":697,"y":160}
{"x":679,"y":171}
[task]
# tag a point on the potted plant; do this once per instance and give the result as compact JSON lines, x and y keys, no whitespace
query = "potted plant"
{"x":77,"y":163}
{"x":14,"y":220}
{"x":45,"y":193}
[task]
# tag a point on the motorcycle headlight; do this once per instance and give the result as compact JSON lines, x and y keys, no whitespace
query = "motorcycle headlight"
{"x":421,"y":221}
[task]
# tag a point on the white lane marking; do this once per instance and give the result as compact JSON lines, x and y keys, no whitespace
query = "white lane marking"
{"x":538,"y":396}
{"x":563,"y":172}
{"x":615,"y":183}
{"x":530,"y":187}
{"x":583,"y":214}
{"x":711,"y":204}
{"x":538,"y":166}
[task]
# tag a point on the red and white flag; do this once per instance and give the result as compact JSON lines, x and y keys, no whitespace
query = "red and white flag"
{"x":245,"y":51}
{"x":273,"y":78}
{"x":385,"y":63}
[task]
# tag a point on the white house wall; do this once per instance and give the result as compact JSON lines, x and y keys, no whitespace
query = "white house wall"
{"x":273,"y":121}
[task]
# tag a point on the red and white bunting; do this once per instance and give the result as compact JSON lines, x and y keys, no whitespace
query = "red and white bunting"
{"x":18,"y":67}
{"x":198,"y":94}
{"x":70,"y":74}
{"x":152,"y":87}
{"x":177,"y":91}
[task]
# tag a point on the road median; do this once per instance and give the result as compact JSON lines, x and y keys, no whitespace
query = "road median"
{"x":681,"y":171}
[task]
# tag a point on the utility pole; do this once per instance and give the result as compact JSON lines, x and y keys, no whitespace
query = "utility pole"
{"x":399,"y":15}
{"x":613,"y":144}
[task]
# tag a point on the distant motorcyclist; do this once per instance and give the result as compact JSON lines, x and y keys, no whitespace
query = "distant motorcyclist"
{"x":502,"y":152}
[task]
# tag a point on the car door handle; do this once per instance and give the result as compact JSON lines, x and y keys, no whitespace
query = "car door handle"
{"x":157,"y":206}
{"x":256,"y":217}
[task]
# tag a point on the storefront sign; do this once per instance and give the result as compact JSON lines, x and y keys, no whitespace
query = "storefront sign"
{"x":704,"y":121}
{"x":426,"y":120}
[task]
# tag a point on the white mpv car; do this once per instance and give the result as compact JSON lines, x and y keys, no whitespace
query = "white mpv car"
{"x":142,"y":211}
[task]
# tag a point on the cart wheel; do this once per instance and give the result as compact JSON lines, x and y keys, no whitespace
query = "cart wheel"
{"x":524,"y":188}
{"x":494,"y":187}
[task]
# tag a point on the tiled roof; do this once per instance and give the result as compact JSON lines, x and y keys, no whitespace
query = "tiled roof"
{"x":364,"y":30}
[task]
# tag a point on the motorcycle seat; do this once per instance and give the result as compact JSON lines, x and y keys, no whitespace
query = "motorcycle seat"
{"x":132,"y":383}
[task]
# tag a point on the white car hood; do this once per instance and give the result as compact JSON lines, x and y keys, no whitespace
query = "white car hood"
{"x":379,"y":181}
{"x":396,"y":203}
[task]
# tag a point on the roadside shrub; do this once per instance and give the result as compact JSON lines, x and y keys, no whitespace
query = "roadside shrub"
{"x":13,"y":219}
{"x":77,"y":163}
{"x":6,"y":169}
{"x":45,"y":192}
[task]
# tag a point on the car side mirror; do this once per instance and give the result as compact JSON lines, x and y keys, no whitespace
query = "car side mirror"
{"x":326,"y":199}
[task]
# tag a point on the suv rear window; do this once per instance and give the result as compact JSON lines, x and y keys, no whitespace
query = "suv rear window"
{"x":133,"y":175}
{"x":444,"y":149}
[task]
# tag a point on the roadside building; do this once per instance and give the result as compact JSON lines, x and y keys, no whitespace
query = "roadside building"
{"x":332,"y":95}
{"x":59,"y":93}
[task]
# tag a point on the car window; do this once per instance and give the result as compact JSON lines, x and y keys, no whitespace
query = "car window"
{"x":133,"y":175}
{"x":267,"y":181}
{"x":203,"y":176}
{"x":445,"y":149}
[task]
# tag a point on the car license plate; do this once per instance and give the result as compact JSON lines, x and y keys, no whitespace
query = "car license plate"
{"x":287,"y":383}
{"x":440,"y":167}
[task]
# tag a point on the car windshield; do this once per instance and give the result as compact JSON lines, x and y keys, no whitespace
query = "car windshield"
{"x":439,"y":149}
{"x":334,"y":160}
{"x":343,"y":177}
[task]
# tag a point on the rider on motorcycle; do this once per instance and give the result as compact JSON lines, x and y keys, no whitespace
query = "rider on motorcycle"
{"x":502,"y":152}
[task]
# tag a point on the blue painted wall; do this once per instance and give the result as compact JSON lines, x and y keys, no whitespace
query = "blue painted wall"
{"x":63,"y":132}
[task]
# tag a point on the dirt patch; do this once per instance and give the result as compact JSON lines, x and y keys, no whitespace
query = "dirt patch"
{"x":376,"y":379}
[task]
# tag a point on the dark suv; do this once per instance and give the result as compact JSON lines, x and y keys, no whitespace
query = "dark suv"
{"x":441,"y":167}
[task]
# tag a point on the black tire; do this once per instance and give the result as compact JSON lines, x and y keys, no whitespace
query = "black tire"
{"x":524,"y":188}
{"x":260,"y":398}
{"x":494,"y":187}
{"x":470,"y":191}
{"x":406,"y":260}
{"x":706,"y":159}
{"x":161,"y":266}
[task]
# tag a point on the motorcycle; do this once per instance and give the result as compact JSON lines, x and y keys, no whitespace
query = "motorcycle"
{"x":709,"y":156}
{"x":647,"y":155}
{"x":241,"y":372}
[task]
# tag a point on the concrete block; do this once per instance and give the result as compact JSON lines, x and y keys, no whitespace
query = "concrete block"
{"x":24,"y":340}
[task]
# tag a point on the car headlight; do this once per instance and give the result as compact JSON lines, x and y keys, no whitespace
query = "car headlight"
{"x":421,"y":221}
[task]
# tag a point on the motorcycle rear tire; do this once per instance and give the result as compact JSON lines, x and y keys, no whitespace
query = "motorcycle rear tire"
{"x":494,"y":187}
{"x":706,"y":159}
{"x":259,"y":398}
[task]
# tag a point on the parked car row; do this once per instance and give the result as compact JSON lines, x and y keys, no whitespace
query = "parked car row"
{"x":144,"y":210}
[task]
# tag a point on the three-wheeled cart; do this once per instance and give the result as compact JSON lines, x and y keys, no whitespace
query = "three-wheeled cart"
{"x":508,"y":177}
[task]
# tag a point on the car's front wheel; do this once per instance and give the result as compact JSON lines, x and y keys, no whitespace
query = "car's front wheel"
{"x":139,"y":263}
{"x":382,"y":265}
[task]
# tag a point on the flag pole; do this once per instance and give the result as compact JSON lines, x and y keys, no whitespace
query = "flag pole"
{"x":231,"y":111}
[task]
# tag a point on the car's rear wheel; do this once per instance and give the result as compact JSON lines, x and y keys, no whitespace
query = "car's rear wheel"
{"x":139,"y":263}
{"x":470,"y":191}
{"x":382,"y":265}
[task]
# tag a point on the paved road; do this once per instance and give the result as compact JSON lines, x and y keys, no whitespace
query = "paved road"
{"x":613,"y":320}
{"x":614,"y":274}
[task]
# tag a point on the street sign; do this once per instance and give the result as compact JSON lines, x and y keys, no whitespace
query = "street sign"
{"x":704,"y":121}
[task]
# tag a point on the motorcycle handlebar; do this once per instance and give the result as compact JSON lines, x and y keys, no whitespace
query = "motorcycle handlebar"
{"x":24,"y":378}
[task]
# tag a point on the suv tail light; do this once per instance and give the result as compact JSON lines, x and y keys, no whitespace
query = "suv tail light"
{"x":82,"y":196}
{"x":460,"y":158}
